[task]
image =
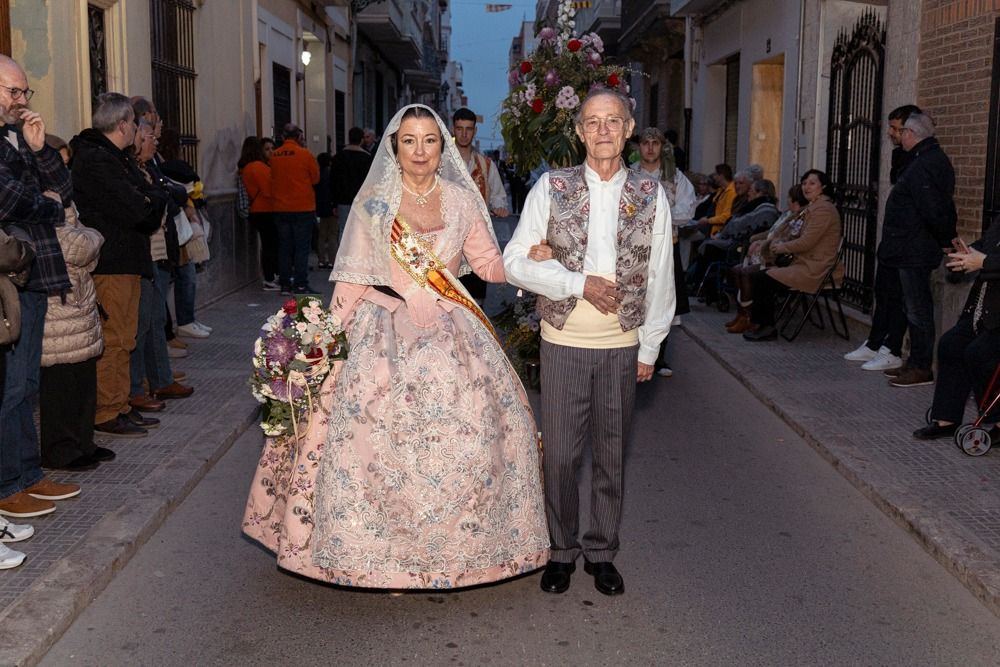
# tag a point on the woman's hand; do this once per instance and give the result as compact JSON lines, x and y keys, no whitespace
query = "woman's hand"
{"x":966,"y":261}
{"x":541,"y":252}
{"x":754,"y":248}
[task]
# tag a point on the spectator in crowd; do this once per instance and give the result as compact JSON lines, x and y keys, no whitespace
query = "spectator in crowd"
{"x":328,"y":238}
{"x":756,"y":172}
{"x":294,"y":172}
{"x":969,"y":352}
{"x":369,"y":141}
{"x":34,"y":183}
{"x":680,"y":155}
{"x":741,"y":184}
{"x":348,"y":172}
{"x":812,"y":253}
{"x":518,"y":188}
{"x":722,"y":201}
{"x":114,"y":198}
{"x":919,"y":221}
{"x":255,"y":171}
{"x":67,"y":397}
{"x":759,"y":257}
{"x":883,"y":349}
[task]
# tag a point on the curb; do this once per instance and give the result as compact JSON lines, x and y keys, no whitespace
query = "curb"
{"x":47,"y":609}
{"x":967,"y":560}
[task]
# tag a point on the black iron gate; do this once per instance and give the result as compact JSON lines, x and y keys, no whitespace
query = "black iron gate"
{"x":854,"y":137}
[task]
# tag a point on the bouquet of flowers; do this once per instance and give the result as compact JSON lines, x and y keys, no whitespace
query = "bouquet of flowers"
{"x":291,"y":359}
{"x":546,"y":90}
{"x":520,"y":326}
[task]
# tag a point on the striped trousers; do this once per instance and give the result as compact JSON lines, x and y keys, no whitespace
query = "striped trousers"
{"x":587,"y":396}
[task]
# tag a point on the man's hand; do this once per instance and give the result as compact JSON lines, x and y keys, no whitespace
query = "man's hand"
{"x":541,"y":252}
{"x":645,"y":372}
{"x":966,"y":261}
{"x":602,"y":294}
{"x":51,"y":194}
{"x":33,"y":129}
{"x":501,"y":212}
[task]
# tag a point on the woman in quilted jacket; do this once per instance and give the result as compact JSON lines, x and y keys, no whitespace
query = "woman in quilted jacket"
{"x":70,"y":347}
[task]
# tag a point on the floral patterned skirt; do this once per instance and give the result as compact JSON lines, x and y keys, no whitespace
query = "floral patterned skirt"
{"x":419,"y":468}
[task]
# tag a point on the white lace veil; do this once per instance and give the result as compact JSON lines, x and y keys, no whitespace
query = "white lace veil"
{"x":363,"y":257}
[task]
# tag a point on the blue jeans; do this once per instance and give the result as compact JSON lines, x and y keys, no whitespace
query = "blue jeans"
{"x":20,"y":456}
{"x":919,"y":304}
{"x":149,"y":360}
{"x":294,"y":243}
{"x":185,"y":291}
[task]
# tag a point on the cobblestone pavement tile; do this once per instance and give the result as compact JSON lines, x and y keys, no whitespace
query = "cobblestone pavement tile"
{"x":858,"y":421}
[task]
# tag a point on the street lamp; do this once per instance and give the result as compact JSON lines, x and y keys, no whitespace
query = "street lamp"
{"x":306,"y":57}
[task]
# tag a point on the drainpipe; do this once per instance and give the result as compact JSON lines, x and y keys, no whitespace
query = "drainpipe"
{"x":688,"y":83}
{"x":799,"y":125}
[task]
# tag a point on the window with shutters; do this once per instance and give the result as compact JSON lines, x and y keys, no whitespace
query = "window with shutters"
{"x":172,"y":28}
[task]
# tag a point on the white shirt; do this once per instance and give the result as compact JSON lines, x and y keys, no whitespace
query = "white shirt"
{"x":553,"y":280}
{"x":685,"y":199}
{"x":494,"y":184}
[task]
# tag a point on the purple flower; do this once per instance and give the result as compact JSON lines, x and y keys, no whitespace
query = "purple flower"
{"x":514,"y":77}
{"x":279,"y":349}
{"x":595,"y":58}
{"x":551,"y":78}
{"x":547,"y":34}
{"x":281,"y":389}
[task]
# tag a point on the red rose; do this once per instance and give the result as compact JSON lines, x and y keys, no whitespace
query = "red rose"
{"x":574,"y":45}
{"x":613,"y":81}
{"x":315,"y":353}
{"x":525,"y":67}
{"x":291,"y":307}
{"x":537,"y":105}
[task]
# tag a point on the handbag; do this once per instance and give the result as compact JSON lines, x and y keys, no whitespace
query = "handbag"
{"x":783,"y":260}
{"x":184,"y":229}
{"x":10,"y":312}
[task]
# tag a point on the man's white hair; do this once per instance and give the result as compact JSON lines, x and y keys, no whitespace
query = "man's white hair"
{"x":921,"y":125}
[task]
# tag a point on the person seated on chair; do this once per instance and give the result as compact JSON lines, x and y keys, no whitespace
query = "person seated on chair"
{"x":813,"y":253}
{"x":759,"y":256}
{"x":969,"y":352}
{"x":757,"y":215}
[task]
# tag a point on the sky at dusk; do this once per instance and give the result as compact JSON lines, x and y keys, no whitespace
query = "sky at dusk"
{"x":481,"y":43}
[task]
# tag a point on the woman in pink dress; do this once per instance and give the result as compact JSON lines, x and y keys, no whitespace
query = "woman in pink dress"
{"x":420,"y":467}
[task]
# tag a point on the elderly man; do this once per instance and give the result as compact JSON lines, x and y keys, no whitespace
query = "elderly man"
{"x":594,"y":242}
{"x":33,"y":184}
{"x":919,"y":221}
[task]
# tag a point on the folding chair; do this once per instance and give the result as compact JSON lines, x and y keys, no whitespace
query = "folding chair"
{"x":806,"y":303}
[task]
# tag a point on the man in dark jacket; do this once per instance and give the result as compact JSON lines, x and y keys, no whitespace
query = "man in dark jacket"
{"x":33,"y":184}
{"x":919,"y":221}
{"x":348,"y":172}
{"x":114,"y":198}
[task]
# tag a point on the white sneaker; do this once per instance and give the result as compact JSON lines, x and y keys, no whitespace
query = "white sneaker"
{"x":9,"y":558}
{"x":176,"y":353}
{"x":191,"y":331}
{"x":270,"y":286}
{"x":665,"y":372}
{"x":863,"y":353}
{"x":883,"y":361}
{"x":202,"y":325}
{"x":14,"y":532}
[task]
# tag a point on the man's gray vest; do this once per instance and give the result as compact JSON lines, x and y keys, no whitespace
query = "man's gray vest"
{"x":569,"y":215}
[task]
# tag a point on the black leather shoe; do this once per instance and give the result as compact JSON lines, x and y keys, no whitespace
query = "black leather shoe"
{"x":606,"y":577}
{"x":761,"y":334}
{"x":119,"y":427}
{"x":934,"y":431}
{"x":102,"y":454}
{"x":79,"y":464}
{"x":556,"y":577}
{"x":140,"y":419}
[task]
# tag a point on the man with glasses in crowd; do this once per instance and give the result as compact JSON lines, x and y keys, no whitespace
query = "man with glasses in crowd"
{"x":34,"y":183}
{"x":594,"y":243}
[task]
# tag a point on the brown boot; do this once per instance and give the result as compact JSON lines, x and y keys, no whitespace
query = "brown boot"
{"x":741,"y":324}
{"x":739,"y":314}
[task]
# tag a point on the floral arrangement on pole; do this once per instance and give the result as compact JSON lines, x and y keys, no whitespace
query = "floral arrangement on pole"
{"x":291,"y":358}
{"x":546,"y":90}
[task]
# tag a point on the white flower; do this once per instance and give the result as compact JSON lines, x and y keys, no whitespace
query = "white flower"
{"x":567,"y":98}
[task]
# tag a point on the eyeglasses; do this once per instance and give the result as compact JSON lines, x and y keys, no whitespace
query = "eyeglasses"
{"x":15,"y":93}
{"x":612,"y":123}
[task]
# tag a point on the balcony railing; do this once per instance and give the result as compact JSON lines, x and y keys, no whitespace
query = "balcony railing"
{"x":391,"y":26}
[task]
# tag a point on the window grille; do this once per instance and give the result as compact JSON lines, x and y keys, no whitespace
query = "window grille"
{"x":174,"y":73}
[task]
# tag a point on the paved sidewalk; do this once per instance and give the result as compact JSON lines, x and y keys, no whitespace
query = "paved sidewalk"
{"x":948,"y":501}
{"x":77,"y":550}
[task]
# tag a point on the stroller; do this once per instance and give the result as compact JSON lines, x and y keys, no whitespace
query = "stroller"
{"x":974,"y":439}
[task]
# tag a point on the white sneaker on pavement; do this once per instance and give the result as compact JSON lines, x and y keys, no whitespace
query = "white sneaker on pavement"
{"x":10,"y":558}
{"x":14,"y":532}
{"x":191,"y":331}
{"x":270,"y":286}
{"x":883,"y":361}
{"x":202,"y":325}
{"x":863,"y":353}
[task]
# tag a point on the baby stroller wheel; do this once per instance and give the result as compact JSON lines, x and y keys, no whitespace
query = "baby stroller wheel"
{"x":960,"y":433}
{"x":723,"y":303}
{"x":975,"y":441}
{"x":927,"y":416}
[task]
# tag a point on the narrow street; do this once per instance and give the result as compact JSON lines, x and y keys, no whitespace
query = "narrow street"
{"x":741,"y":546}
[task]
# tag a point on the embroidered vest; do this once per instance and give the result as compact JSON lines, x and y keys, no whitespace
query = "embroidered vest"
{"x":480,"y":173}
{"x":569,"y":216}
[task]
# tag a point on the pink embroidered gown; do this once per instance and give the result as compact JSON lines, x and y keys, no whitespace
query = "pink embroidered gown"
{"x":420,"y":469}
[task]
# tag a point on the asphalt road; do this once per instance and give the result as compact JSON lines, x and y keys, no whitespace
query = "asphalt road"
{"x":741,"y":546}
